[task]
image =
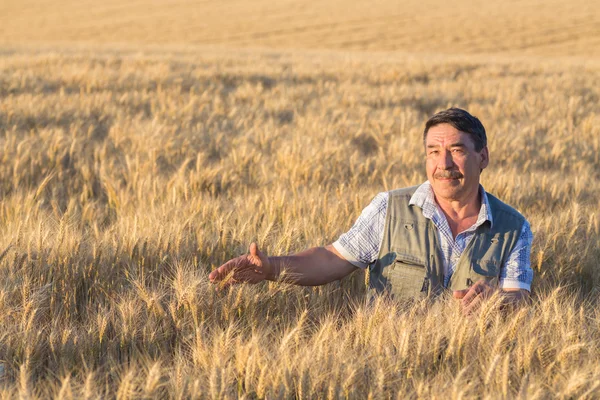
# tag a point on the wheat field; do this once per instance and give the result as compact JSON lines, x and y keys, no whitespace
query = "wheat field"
{"x":140,"y":151}
{"x":541,"y":27}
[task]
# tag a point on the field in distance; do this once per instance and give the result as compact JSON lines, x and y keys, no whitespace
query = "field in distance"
{"x":540,"y":27}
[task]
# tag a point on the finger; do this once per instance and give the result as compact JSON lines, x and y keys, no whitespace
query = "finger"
{"x":216,"y":275}
{"x":213,"y":276}
{"x":487,"y":289}
{"x":473,"y":306}
{"x":259,"y":253}
{"x":472,"y":293}
{"x":221,"y":273}
{"x":254,"y":249}
{"x":459,"y":294}
{"x":256,"y":255}
{"x":226,"y":284}
{"x":223,"y":284}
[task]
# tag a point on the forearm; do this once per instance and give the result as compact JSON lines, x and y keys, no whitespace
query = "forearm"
{"x":312,"y":267}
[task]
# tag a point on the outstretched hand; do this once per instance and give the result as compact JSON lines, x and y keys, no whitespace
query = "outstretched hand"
{"x":253,"y":267}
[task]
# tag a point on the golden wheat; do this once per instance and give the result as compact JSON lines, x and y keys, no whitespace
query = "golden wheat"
{"x":126,"y":177}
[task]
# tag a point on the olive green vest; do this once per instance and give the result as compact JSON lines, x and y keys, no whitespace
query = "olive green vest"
{"x":410,"y":264}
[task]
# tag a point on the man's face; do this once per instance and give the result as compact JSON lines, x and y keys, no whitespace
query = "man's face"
{"x":453,"y":165}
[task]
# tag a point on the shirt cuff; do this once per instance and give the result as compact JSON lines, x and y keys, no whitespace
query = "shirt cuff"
{"x":344,"y":253}
{"x":513,"y":284}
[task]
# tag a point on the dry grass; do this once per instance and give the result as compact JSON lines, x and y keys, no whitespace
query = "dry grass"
{"x":125,"y":178}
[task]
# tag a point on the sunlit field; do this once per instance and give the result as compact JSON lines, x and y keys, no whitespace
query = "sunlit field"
{"x":541,"y":27}
{"x":130,"y":170}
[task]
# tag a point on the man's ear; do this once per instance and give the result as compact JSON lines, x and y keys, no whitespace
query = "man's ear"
{"x":485,"y":158}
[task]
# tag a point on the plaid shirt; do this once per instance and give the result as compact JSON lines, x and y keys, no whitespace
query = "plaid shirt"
{"x":361,"y":244}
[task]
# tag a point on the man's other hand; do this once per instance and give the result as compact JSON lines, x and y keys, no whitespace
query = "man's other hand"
{"x":253,"y":267}
{"x":472,"y":297}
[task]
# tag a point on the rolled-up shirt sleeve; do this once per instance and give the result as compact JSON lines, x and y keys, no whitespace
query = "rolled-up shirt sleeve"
{"x":360,"y":245}
{"x":517,"y":272}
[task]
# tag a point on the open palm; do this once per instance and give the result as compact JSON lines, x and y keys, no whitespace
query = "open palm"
{"x":253,"y":267}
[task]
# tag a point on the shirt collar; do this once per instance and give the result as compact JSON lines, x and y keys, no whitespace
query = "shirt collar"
{"x":423,"y":197}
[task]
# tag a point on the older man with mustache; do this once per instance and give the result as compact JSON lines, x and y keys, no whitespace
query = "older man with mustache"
{"x":447,"y":234}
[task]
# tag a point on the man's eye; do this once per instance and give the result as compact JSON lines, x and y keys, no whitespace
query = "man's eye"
{"x":434,"y":152}
{"x":457,"y":151}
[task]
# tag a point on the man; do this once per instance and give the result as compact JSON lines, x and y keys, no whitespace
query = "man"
{"x":447,"y":233}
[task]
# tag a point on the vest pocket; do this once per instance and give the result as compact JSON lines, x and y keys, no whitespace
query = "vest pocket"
{"x":407,"y":279}
{"x":488,"y":270}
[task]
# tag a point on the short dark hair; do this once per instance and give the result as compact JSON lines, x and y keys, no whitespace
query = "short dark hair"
{"x":461,"y":120}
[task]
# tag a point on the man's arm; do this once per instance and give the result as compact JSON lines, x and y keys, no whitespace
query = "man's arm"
{"x":312,"y":267}
{"x":315,"y":266}
{"x":318,"y":265}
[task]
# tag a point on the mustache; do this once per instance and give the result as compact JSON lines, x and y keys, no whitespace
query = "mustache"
{"x":448,"y":175}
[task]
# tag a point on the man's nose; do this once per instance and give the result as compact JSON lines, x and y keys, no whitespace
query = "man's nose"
{"x":446,"y":161}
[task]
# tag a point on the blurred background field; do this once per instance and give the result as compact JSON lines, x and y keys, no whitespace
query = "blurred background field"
{"x":145,"y":143}
{"x":543,"y":27}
